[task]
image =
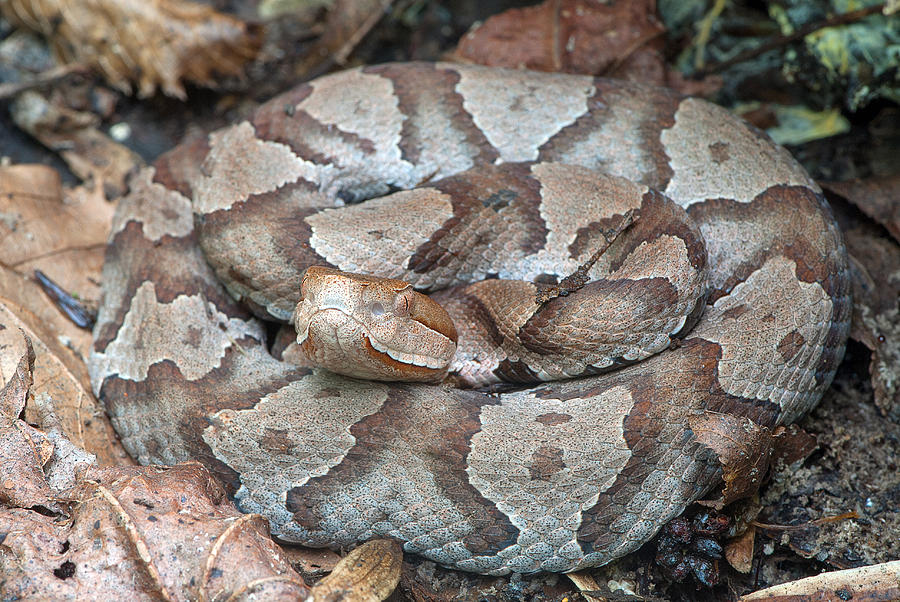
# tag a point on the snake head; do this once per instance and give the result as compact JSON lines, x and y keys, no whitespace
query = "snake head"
{"x":373,"y":328}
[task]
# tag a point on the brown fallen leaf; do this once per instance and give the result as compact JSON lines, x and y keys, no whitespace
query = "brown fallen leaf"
{"x":864,"y":584}
{"x":622,"y":39}
{"x":744,"y":449}
{"x":144,"y":533}
{"x":875,"y":270}
{"x":791,"y":444}
{"x":150,"y":43}
{"x":347,"y":23}
{"x":367,"y":574}
{"x":89,"y":153}
{"x":23,"y":449}
{"x":739,"y":551}
{"x":876,"y":197}
{"x":62,"y":233}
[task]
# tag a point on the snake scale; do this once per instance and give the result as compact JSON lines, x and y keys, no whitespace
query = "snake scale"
{"x":548,"y":477}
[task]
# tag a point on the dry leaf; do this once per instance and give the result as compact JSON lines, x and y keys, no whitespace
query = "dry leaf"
{"x":63,"y":235}
{"x":623,"y":39}
{"x":875,"y":270}
{"x":876,"y":197}
{"x":59,"y":373}
{"x":744,"y":449}
{"x":739,"y":551}
{"x":791,"y":444}
{"x":347,"y":24}
{"x":23,"y":449}
{"x":148,"y":42}
{"x":89,"y":153}
{"x":865,"y":584}
{"x":145,"y":533}
{"x":367,"y":574}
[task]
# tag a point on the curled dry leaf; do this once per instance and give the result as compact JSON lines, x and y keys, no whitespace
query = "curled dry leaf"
{"x":744,"y":449}
{"x":145,"y":533}
{"x":23,"y":449}
{"x":864,"y":584}
{"x":791,"y":444}
{"x":347,"y":24}
{"x":41,"y":229}
{"x":739,"y":551}
{"x":875,"y":267}
{"x":367,"y":574}
{"x":89,"y":153}
{"x":150,"y":43}
{"x":623,"y":39}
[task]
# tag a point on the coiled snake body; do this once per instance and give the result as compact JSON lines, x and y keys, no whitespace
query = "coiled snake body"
{"x":554,"y":477}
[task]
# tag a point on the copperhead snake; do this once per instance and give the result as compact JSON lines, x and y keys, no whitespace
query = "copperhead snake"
{"x":549,"y":477}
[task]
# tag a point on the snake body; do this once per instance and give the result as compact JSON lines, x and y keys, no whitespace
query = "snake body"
{"x":554,"y":477}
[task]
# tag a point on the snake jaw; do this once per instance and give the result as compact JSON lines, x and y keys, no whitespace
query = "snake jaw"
{"x":375,"y":328}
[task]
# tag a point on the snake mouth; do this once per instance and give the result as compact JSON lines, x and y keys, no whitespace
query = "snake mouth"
{"x":374,"y":347}
{"x":410,"y":369}
{"x":412,"y":360}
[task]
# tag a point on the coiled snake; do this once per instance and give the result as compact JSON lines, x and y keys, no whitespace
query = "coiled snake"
{"x":553,"y":476}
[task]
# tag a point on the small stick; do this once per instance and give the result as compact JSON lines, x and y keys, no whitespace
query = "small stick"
{"x":44,"y":78}
{"x":579,"y":278}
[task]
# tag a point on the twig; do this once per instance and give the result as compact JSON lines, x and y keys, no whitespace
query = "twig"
{"x":44,"y":78}
{"x":783,"y":40}
{"x":808,"y":524}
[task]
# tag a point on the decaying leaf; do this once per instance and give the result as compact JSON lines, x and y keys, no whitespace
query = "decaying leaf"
{"x":145,"y":533}
{"x":43,"y":227}
{"x":791,"y":444}
{"x":150,"y":43}
{"x":23,"y":449}
{"x":367,"y":574}
{"x":623,"y":39}
{"x":875,"y":270}
{"x":865,"y":584}
{"x":739,"y":551}
{"x":744,"y":450}
{"x":89,"y":153}
{"x":876,"y":197}
{"x":347,"y":24}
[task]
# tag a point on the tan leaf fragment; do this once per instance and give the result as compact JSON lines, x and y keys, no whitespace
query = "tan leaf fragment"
{"x":743,"y":448}
{"x":346,"y":25}
{"x":23,"y":449}
{"x":60,"y":232}
{"x":367,"y":574}
{"x":876,"y":197}
{"x":875,"y":275}
{"x":864,"y":584}
{"x":150,"y":43}
{"x":624,"y":39}
{"x":145,"y":533}
{"x":739,"y":551}
{"x":791,"y":444}
{"x":60,"y":377}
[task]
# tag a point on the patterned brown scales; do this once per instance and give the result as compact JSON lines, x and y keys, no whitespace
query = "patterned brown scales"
{"x":556,"y":477}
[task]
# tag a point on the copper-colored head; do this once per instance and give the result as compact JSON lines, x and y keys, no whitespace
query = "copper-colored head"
{"x":374,"y":328}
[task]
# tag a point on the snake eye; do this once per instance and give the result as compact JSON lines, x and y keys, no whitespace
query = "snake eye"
{"x":401,"y":305}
